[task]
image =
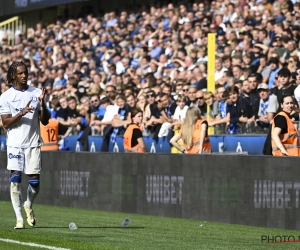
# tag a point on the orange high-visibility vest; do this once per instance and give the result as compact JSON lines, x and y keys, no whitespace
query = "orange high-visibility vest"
{"x":206,"y":149}
{"x":49,"y":135}
{"x":289,"y":140}
{"x":127,"y":140}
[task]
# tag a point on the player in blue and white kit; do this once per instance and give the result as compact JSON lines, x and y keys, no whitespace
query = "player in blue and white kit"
{"x":22,"y":107}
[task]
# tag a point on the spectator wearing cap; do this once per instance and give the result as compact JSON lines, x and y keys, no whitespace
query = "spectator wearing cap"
{"x":169,"y":70}
{"x":77,"y":75}
{"x":268,"y":106}
{"x":256,"y":52}
{"x":274,"y":64}
{"x":250,"y":25}
{"x":280,"y":48}
{"x":221,"y":42}
{"x":295,"y":31}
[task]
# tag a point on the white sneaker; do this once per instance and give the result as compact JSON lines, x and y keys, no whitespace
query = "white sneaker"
{"x":30,"y":215}
{"x":19,"y":225}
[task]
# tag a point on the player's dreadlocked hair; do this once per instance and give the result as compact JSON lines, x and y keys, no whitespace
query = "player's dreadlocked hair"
{"x":12,"y":72}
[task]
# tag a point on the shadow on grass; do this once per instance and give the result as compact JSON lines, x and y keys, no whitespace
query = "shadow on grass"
{"x":96,"y":227}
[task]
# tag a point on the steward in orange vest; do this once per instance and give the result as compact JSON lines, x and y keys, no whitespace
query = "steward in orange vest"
{"x":128,"y":140}
{"x":49,"y":135}
{"x":289,"y":140}
{"x":206,"y":148}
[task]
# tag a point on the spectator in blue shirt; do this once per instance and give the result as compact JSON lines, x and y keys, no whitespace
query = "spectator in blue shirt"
{"x":60,"y":82}
{"x":156,"y":50}
{"x":274,"y":63}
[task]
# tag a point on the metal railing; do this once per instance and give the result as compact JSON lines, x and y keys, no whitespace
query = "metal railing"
{"x":10,"y":27}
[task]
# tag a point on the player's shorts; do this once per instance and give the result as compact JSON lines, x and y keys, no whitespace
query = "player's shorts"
{"x":26,"y":160}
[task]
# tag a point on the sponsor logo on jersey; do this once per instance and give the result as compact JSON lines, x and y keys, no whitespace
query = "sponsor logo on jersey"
{"x":11,"y":156}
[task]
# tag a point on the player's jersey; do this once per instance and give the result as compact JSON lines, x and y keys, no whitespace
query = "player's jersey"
{"x":26,"y":132}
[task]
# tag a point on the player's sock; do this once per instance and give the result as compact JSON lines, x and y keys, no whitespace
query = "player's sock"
{"x":16,"y":195}
{"x":32,"y":190}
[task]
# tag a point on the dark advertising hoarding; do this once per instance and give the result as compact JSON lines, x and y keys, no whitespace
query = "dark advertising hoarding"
{"x":259,"y":191}
{"x":11,"y":7}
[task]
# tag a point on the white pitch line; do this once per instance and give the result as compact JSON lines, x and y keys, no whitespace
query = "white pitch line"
{"x":33,"y":244}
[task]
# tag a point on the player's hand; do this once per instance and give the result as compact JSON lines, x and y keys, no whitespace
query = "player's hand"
{"x":41,"y":98}
{"x":284,"y":152}
{"x":27,"y":109}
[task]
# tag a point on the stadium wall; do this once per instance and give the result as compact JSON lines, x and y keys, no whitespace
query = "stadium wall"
{"x":250,"y":190}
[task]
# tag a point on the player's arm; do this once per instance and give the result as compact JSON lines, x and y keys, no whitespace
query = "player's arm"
{"x":8,"y":120}
{"x":44,"y":113}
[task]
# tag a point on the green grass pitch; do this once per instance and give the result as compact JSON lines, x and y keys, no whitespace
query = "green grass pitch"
{"x":103,"y":230}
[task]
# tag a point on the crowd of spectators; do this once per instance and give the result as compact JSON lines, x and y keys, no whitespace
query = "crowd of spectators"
{"x":95,"y":68}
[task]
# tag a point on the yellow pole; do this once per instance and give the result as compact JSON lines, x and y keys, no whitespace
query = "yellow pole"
{"x":211,"y":54}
